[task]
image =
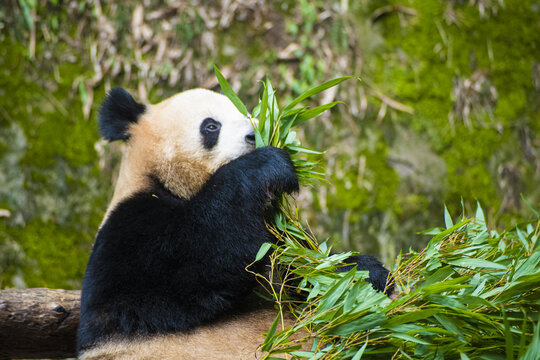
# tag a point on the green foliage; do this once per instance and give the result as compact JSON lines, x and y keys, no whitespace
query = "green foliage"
{"x":379,"y":181}
{"x":50,"y":176}
{"x":471,"y":293}
{"x":47,"y":254}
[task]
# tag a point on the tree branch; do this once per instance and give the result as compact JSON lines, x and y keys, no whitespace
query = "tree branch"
{"x":38,"y":323}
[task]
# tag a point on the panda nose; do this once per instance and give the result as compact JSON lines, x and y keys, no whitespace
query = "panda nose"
{"x":250,"y":138}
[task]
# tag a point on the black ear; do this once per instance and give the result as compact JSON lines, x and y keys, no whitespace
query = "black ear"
{"x":117,"y":112}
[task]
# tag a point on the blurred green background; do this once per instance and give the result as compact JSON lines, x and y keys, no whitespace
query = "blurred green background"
{"x":447,"y":112}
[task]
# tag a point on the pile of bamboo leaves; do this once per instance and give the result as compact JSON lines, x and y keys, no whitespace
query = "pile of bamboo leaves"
{"x":471,"y":293}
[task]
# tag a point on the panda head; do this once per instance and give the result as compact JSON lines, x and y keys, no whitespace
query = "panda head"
{"x":180,"y":141}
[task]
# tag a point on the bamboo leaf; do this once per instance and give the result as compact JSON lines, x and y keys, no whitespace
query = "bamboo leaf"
{"x":529,"y":266}
{"x":479,"y":213}
{"x":336,"y":291}
{"x":439,"y":276}
{"x":270,"y":338}
{"x":316,"y":90}
{"x":411,"y":317}
{"x":263,"y":251}
{"x":360,"y":351}
{"x":410,"y":338}
{"x":369,"y":321}
{"x":530,"y":207}
{"x":522,"y":239}
{"x":534,"y":346}
{"x":303,"y":150}
{"x":447,"y":218}
{"x":229,"y":92}
{"x":448,"y":323}
{"x":477,"y":263}
{"x":311,"y":113}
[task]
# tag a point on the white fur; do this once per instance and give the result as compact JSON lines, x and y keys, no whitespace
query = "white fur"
{"x":179,"y":119}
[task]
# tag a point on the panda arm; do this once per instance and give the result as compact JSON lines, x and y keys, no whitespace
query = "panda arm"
{"x":249,"y":182}
{"x":231,"y":209}
{"x":228,"y":215}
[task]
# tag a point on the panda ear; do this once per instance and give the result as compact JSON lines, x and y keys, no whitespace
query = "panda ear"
{"x":117,"y":112}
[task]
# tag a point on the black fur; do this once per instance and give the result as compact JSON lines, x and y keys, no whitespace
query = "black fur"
{"x":210,"y":132}
{"x":378,"y":274}
{"x":162,"y":264}
{"x":117,"y":112}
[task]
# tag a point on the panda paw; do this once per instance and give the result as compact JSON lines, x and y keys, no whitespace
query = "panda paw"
{"x":277,"y":170}
{"x":379,"y":276}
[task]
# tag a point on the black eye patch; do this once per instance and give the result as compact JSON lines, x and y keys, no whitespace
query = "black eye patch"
{"x":210,"y":132}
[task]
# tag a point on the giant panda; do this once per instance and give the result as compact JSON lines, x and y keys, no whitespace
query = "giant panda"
{"x":166,"y":277}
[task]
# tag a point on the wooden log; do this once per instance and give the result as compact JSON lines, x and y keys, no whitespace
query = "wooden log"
{"x":38,"y":323}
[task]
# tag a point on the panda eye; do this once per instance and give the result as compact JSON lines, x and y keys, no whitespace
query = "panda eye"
{"x":210,"y":132}
{"x":211,"y":125}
